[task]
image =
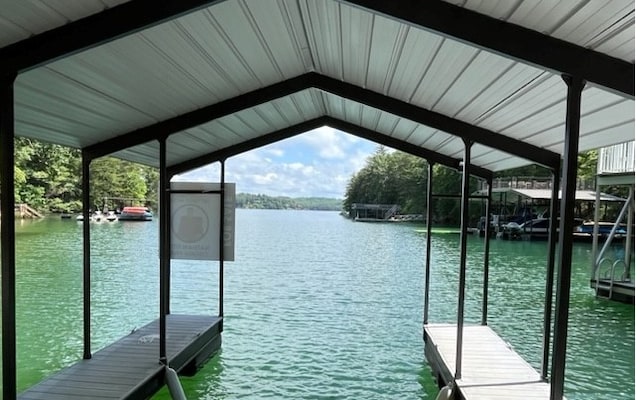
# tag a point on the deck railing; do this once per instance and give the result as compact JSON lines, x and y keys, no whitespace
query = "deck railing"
{"x":531,"y":182}
{"x":617,"y":159}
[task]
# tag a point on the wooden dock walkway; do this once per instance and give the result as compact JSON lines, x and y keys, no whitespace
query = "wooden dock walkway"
{"x":491,"y":369}
{"x":129,"y":368}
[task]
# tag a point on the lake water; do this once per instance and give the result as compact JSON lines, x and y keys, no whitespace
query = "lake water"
{"x":316,"y":306}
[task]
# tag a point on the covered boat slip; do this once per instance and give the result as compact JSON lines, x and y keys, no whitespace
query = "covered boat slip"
{"x":129,"y":368}
{"x":478,"y":87}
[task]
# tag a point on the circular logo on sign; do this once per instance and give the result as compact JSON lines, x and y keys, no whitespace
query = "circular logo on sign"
{"x":192,"y":223}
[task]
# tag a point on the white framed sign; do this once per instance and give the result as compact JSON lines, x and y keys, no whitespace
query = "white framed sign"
{"x":195,"y":221}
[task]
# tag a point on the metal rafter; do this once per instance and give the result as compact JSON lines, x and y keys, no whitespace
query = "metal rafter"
{"x":248,"y":145}
{"x":200,"y":116}
{"x":401,"y":145}
{"x":314,"y":80}
{"x":510,"y":40}
{"x":334,"y":123}
{"x":438,"y":121}
{"x":94,"y":30}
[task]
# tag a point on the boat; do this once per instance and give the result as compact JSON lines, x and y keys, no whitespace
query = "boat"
{"x":95,"y":216}
{"x":533,"y":229}
{"x":135,"y":213}
{"x":111,"y":216}
{"x":538,"y":228}
{"x":584,"y":232}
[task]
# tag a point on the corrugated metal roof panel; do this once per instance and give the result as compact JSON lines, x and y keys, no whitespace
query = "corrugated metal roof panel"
{"x":601,"y":25}
{"x":236,"y":47}
{"x":22,"y":19}
{"x":449,"y":62}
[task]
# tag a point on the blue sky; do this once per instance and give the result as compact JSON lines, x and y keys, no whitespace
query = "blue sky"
{"x":318,"y":163}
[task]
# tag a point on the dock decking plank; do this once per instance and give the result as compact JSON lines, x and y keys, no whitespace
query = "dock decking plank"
{"x":129,"y":368}
{"x":490,"y":367}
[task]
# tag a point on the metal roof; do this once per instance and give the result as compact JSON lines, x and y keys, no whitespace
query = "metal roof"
{"x":220,"y":77}
{"x":545,"y":194}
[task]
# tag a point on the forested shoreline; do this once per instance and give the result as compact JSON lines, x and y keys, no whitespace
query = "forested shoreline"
{"x":48,"y":178}
{"x":394,"y":177}
{"x":261,"y":201}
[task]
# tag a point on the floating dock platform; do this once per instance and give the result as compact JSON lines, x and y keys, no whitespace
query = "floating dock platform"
{"x":129,"y":368}
{"x":622,"y":291}
{"x":491,"y":369}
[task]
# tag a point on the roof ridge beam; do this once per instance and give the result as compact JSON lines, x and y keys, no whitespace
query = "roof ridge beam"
{"x":436,"y":120}
{"x":200,"y":116}
{"x":94,"y":30}
{"x":510,"y":40}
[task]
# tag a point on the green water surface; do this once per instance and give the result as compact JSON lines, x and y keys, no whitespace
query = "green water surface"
{"x":316,"y":306}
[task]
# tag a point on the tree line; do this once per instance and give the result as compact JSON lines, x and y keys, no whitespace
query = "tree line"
{"x":48,"y":177}
{"x":246,"y":200}
{"x":394,"y":177}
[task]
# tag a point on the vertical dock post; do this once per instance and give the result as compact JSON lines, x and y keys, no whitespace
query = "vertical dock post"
{"x":487,"y":237}
{"x":221,"y":244}
{"x":569,"y":174}
{"x":164,"y":250}
{"x":86,"y":255}
{"x":595,"y":231}
{"x":166,"y":215}
{"x":627,"y":246}
{"x":464,"y":221}
{"x":429,"y":210}
{"x":8,"y":237}
{"x":551,"y":262}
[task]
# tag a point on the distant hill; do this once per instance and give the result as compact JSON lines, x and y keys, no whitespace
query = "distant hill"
{"x":247,"y":200}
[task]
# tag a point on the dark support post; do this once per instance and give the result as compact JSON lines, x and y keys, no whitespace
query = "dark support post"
{"x":221,"y":268}
{"x":464,"y":221}
{"x":166,"y":216}
{"x":8,"y":237}
{"x":551,"y":263}
{"x":569,"y":174}
{"x":164,"y":250}
{"x":595,"y":234}
{"x":86,"y":255}
{"x":428,"y":243}
{"x":487,"y":239}
{"x":627,"y":246}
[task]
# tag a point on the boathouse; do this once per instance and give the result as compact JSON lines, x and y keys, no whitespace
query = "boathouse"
{"x":373,"y":212}
{"x":474,"y":86}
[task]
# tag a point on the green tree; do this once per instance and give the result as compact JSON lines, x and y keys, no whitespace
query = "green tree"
{"x":114,"y":178}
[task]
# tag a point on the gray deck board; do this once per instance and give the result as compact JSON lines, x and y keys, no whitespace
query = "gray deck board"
{"x":491,"y":369}
{"x":129,"y":366}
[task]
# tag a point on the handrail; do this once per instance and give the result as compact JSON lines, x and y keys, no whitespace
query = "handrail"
{"x":615,"y":227}
{"x":611,"y":270}
{"x":391,"y":211}
{"x":617,"y":159}
{"x":598,"y":273}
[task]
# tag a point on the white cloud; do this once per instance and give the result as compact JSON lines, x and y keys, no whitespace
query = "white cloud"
{"x":265,"y":179}
{"x":328,"y":142}
{"x":318,"y":163}
{"x":275,"y":151}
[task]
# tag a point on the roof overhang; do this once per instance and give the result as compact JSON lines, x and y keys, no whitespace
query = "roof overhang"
{"x":214,"y":75}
